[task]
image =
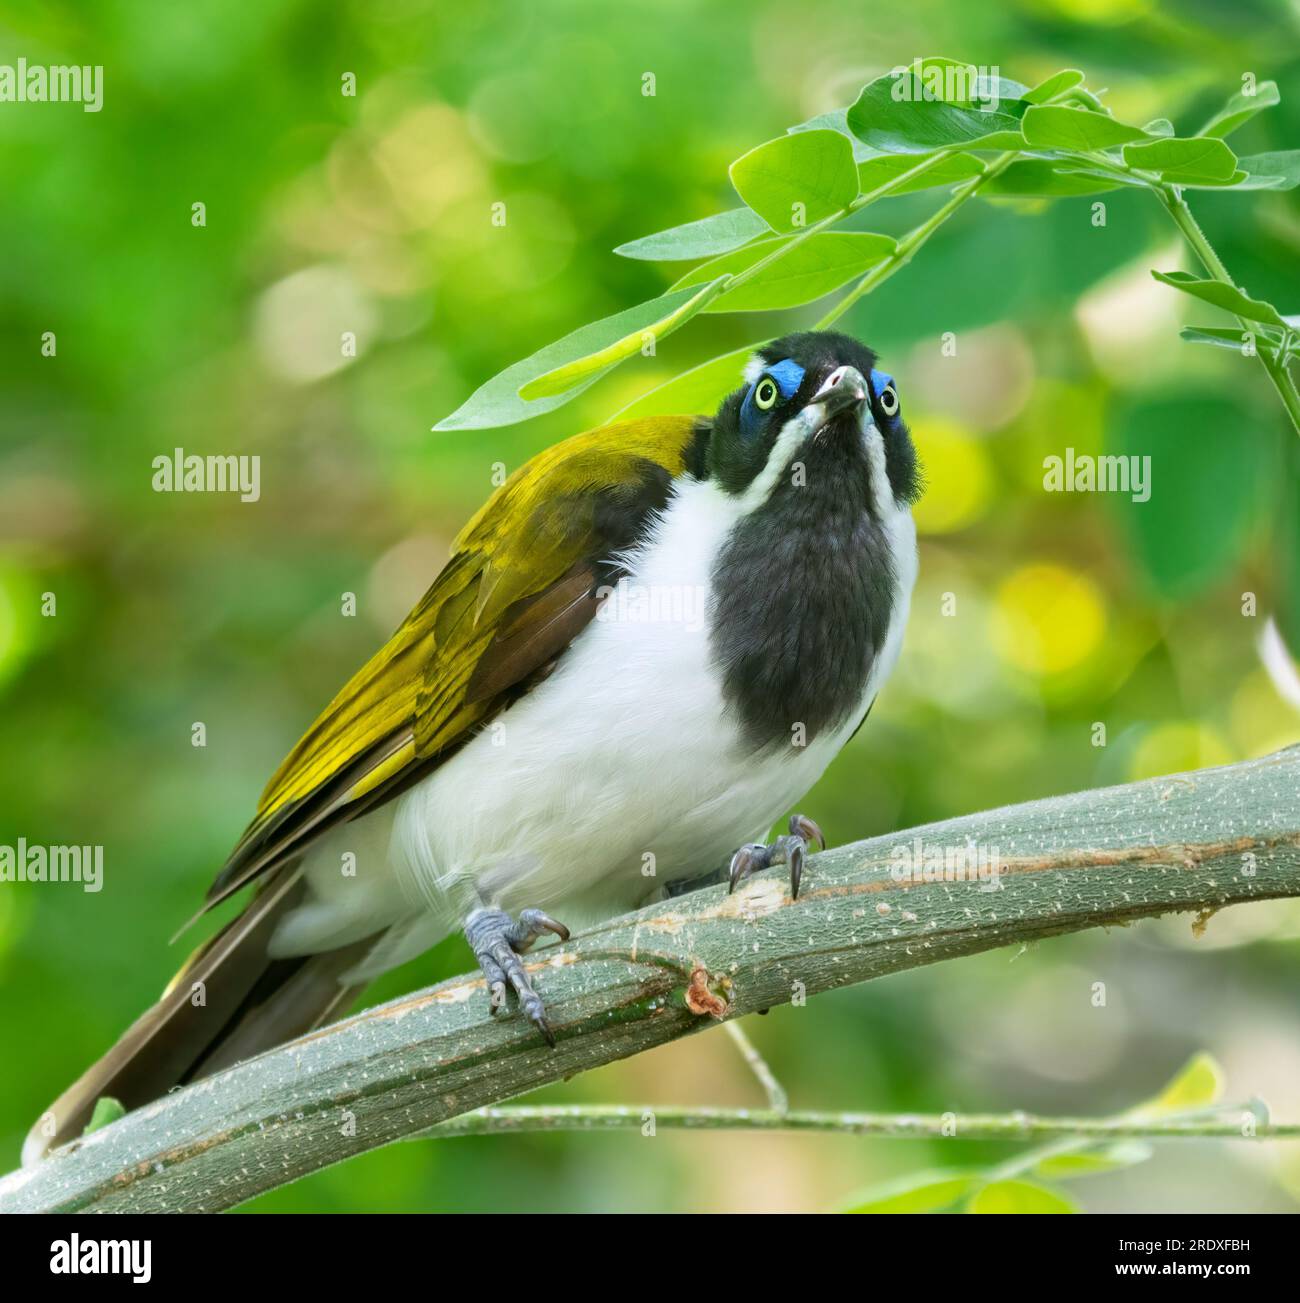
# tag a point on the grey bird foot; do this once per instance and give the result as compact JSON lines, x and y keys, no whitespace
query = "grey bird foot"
{"x":789,"y":850}
{"x":497,"y":942}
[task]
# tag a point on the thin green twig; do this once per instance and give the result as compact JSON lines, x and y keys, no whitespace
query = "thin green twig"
{"x":1176,"y":206}
{"x":777,"y":1099}
{"x":725,"y":284}
{"x":915,"y":238}
{"x":1225,"y":1123}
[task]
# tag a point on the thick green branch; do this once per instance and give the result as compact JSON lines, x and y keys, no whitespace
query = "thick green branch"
{"x":1191,"y":842}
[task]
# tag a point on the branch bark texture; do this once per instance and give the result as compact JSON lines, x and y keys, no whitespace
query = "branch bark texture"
{"x":1189,"y":842}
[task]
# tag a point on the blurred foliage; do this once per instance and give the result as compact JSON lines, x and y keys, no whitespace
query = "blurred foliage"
{"x":1038,"y":615}
{"x":1194,"y":1095}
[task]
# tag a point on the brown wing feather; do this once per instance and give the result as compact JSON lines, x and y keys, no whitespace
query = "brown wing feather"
{"x":534,"y":632}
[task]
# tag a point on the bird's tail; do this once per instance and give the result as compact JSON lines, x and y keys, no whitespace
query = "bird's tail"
{"x":229,"y":1001}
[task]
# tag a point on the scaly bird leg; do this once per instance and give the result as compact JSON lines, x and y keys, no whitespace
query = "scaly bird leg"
{"x":497,"y":941}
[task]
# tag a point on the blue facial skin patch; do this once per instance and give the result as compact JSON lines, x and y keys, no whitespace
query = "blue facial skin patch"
{"x":880,"y":382}
{"x":788,"y":376}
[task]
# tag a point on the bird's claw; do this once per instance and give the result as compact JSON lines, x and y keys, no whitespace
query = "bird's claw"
{"x":802,"y":826}
{"x":497,"y":941}
{"x":789,"y":849}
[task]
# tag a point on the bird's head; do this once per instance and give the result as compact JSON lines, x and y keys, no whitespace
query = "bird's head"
{"x":814,"y":411}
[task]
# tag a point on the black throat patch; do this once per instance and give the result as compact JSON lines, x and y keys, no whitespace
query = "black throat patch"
{"x":803,"y":593}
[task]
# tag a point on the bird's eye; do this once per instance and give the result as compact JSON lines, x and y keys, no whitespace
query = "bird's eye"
{"x":765,"y":393}
{"x":889,"y":400}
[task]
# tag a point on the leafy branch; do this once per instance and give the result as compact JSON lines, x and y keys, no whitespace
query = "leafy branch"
{"x":1190,"y":842}
{"x":936,"y":123}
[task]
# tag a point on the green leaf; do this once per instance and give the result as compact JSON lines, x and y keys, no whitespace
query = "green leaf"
{"x":957,"y":82}
{"x":1064,"y":1167}
{"x":1203,"y":487}
{"x":1190,"y":182}
{"x":1279,"y":170}
{"x":703,"y":239}
{"x":835,"y":120}
{"x":920,"y":1192}
{"x":913,"y":124}
{"x":1038,"y":176}
{"x":1240,"y":108}
{"x":1053,"y":126}
{"x":1054,"y":85}
{"x":1159,"y":127}
{"x":1227,"y":297}
{"x":1020,"y":1197}
{"x":107,"y":1109}
{"x":797,"y":179}
{"x":698,"y":390}
{"x":948,"y":170}
{"x":1083,"y":96}
{"x":1200,"y":156}
{"x":564,"y":378}
{"x":1074,"y":168}
{"x":814,"y":266}
{"x":1230,"y":337}
{"x":1197,"y":1085}
{"x":498,"y":402}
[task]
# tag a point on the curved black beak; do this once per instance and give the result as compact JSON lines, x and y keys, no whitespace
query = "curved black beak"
{"x":842,"y":389}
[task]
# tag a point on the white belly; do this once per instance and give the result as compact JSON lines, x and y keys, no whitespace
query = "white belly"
{"x":620,"y":772}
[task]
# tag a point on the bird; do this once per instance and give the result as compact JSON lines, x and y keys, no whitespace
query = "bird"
{"x":651,"y":641}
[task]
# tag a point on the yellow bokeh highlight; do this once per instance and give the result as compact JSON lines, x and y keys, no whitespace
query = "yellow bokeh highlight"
{"x":1171,"y":748}
{"x":1047,"y":619}
{"x":958,"y":478}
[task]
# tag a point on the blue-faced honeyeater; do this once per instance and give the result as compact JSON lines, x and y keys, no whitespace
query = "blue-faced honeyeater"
{"x":651,"y":641}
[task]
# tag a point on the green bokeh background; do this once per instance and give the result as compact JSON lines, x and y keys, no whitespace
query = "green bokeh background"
{"x":372,"y":213}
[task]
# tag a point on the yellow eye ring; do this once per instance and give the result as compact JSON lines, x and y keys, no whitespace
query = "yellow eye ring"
{"x":765,"y":393}
{"x":889,"y":400}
